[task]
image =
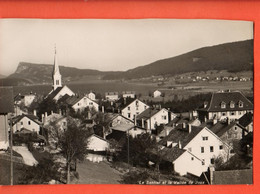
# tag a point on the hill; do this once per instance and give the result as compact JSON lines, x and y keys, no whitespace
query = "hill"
{"x":233,"y":57}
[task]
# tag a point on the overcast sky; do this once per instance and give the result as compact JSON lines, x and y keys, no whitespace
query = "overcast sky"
{"x":110,"y":44}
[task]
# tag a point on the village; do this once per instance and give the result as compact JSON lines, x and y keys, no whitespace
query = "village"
{"x":130,"y":140}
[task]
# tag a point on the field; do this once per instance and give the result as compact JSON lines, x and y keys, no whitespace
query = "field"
{"x":183,"y":90}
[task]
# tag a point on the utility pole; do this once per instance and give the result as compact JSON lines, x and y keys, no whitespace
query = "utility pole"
{"x":11,"y":152}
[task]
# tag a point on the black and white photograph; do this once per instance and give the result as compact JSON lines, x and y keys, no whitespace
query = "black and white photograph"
{"x":126,"y":101}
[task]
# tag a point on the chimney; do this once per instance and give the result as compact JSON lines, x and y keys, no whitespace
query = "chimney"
{"x":34,"y":113}
{"x":180,"y":145}
{"x":189,"y":128}
{"x":211,"y":174}
{"x":103,"y":109}
{"x":142,"y":123}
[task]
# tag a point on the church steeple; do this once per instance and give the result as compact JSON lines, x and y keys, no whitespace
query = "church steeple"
{"x":56,"y":73}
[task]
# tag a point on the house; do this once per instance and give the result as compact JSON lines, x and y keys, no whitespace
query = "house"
{"x":227,"y":177}
{"x":151,"y":118}
{"x":247,"y":122}
{"x":157,"y":94}
{"x":133,"y":108}
{"x":111,"y":96}
{"x":97,"y":148}
{"x":29,"y":122}
{"x":80,"y":103}
{"x":229,"y":132}
{"x":57,"y":89}
{"x":25,"y":99}
{"x":231,"y":105}
{"x":128,"y":94}
{"x":121,"y":131}
{"x":199,"y":141}
{"x":91,"y":95}
{"x":6,"y":107}
{"x":180,"y":161}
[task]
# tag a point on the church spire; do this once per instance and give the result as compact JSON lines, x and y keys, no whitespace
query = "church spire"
{"x":56,"y":73}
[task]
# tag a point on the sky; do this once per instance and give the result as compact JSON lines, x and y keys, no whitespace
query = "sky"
{"x":110,"y":44}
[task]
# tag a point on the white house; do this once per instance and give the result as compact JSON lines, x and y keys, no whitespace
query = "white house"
{"x":96,"y":146}
{"x":134,"y":108}
{"x":199,"y":141}
{"x":80,"y":103}
{"x":183,"y":162}
{"x":91,"y":95}
{"x":128,"y":94}
{"x":29,"y":122}
{"x":231,"y":105}
{"x":111,"y":96}
{"x":151,"y":118}
{"x":157,"y":93}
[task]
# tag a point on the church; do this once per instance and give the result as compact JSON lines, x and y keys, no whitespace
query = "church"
{"x":57,"y":89}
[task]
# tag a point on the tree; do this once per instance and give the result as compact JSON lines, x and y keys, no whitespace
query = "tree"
{"x":138,"y":149}
{"x":45,"y":171}
{"x":73,"y":144}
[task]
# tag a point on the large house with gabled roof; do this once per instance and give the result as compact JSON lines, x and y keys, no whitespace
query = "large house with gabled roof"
{"x":133,"y":108}
{"x":223,"y":105}
{"x":199,"y":141}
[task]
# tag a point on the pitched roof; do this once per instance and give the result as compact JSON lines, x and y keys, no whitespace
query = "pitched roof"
{"x":54,"y":93}
{"x":123,"y":127}
{"x":222,"y":127}
{"x":182,"y":135}
{"x":246,"y":119}
{"x":31,"y":117}
{"x":171,"y":154}
{"x":6,"y":100}
{"x":233,"y":177}
{"x":227,"y":97}
{"x":148,"y":113}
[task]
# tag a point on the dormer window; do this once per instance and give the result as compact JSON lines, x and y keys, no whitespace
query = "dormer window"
{"x":232,"y":104}
{"x":240,"y":104}
{"x":223,"y":104}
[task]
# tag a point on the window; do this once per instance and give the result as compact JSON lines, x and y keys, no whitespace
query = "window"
{"x":211,"y":149}
{"x":212,"y":161}
{"x":223,"y":105}
{"x":205,"y":138}
{"x":221,"y":147}
{"x":202,"y":149}
{"x":129,"y":115}
{"x":232,"y":104}
{"x":128,"y":107}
